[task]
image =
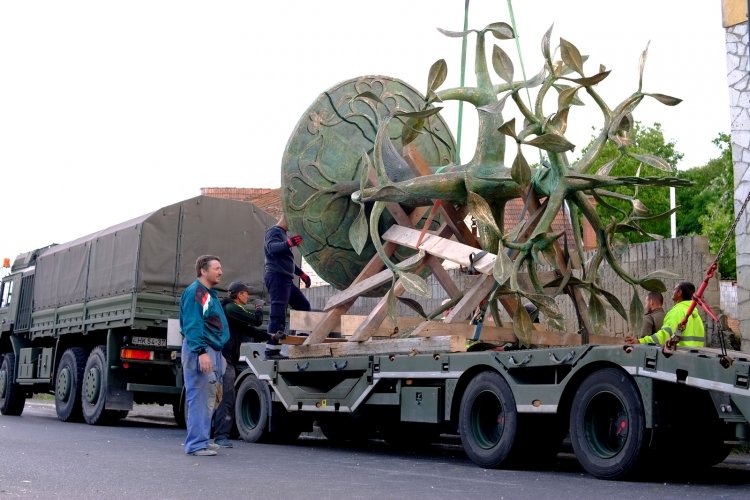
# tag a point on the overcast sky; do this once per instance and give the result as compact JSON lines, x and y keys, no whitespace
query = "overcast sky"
{"x":110,"y":110}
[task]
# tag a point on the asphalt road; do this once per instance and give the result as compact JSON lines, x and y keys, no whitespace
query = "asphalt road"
{"x":142,"y":457}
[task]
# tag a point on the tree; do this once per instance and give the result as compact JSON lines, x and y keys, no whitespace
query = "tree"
{"x":643,"y":140}
{"x":707,"y":207}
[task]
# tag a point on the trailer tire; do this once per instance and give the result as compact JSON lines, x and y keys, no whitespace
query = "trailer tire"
{"x":607,"y":424}
{"x":12,"y":397}
{"x":94,"y":389}
{"x":68,"y":383}
{"x":488,"y":420}
{"x":251,"y":410}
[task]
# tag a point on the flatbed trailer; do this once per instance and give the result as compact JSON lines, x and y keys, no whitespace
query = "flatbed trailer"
{"x":625,"y":408}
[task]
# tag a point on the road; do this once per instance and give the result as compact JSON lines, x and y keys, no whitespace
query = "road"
{"x":142,"y":457}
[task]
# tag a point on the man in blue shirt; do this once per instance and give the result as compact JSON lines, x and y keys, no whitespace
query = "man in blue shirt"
{"x":280,"y":271}
{"x":205,"y":331}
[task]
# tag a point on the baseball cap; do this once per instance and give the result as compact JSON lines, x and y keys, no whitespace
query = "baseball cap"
{"x":236,"y":287}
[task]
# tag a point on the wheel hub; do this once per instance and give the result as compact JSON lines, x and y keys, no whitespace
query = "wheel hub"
{"x":92,"y":385}
{"x":3,"y":381}
{"x":63,"y":384}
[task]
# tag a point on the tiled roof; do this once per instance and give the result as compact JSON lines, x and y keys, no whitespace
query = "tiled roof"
{"x":269,"y":199}
{"x":514,"y":209}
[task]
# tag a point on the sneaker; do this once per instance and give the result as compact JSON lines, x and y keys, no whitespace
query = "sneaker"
{"x":223,"y":443}
{"x":213,"y":447}
{"x":204,"y":452}
{"x":274,"y":355}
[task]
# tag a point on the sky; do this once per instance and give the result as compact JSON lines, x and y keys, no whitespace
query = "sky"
{"x":112,"y":109}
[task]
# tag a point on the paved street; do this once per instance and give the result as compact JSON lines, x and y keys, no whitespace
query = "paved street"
{"x":142,"y":457}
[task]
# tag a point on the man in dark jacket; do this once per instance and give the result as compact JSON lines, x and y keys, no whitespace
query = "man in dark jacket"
{"x":280,"y":271}
{"x":242,"y":328}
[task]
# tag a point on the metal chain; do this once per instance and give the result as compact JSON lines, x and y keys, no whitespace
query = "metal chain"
{"x":730,"y":233}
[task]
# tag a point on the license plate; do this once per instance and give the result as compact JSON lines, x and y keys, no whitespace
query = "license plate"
{"x":149,"y":342}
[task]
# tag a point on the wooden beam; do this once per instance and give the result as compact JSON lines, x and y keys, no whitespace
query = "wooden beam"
{"x":465,"y":330}
{"x":471,"y":299}
{"x":419,"y":345}
{"x":365,"y":285}
{"x":350,"y":323}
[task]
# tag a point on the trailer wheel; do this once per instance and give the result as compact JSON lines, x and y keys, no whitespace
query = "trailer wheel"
{"x":94,"y":389}
{"x":68,"y":385}
{"x":607,"y":424}
{"x":488,"y":420}
{"x":12,"y":397}
{"x":252,"y":409}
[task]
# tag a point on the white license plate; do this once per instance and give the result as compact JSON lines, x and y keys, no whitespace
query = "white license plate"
{"x":149,"y":342}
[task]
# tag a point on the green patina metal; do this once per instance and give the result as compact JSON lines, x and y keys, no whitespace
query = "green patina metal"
{"x":330,"y":190}
{"x":323,"y":164}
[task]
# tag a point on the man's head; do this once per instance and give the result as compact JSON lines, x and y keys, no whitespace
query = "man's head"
{"x":208,"y":269}
{"x":683,"y":291}
{"x":654,"y":300}
{"x":239,"y":292}
{"x":282,"y":223}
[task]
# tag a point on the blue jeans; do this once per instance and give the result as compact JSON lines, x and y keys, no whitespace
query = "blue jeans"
{"x":200,"y":397}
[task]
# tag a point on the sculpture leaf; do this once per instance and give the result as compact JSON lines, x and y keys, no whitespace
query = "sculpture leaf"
{"x":438,"y":74}
{"x":571,"y":56}
{"x":414,"y":284}
{"x":501,"y":31}
{"x":636,"y":313}
{"x":502,"y":64}
{"x":551,"y":142}
{"x":666,"y":99}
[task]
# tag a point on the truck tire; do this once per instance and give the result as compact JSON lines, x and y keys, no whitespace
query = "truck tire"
{"x":251,"y":410}
{"x":94,"y":389}
{"x":68,"y":385}
{"x":12,"y":397}
{"x":488,"y":420}
{"x":607,"y":424}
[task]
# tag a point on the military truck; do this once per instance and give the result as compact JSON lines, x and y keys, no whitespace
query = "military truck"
{"x":88,"y":320}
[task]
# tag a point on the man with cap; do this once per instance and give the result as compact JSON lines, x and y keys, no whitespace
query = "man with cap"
{"x":242,"y":328}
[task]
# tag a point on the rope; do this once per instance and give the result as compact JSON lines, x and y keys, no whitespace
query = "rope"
{"x":461,"y":84}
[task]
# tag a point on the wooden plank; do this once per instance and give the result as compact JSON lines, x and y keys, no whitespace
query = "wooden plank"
{"x":440,"y":247}
{"x":306,"y":321}
{"x":489,"y":333}
{"x":350,"y":323}
{"x":419,"y":345}
{"x":300,"y":339}
{"x":471,"y":300}
{"x":365,"y":286}
{"x":372,"y":323}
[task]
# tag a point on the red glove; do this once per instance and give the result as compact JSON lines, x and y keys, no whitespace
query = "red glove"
{"x":294,"y":241}
{"x":305,"y":279}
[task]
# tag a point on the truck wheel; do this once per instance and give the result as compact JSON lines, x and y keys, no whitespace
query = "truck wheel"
{"x":94,"y":389}
{"x":178,"y":410}
{"x":12,"y":398}
{"x":488,"y":420}
{"x":607,"y":424}
{"x":68,"y":385}
{"x":251,"y":409}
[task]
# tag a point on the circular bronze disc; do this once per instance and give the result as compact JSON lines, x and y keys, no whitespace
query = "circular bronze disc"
{"x":322,"y":166}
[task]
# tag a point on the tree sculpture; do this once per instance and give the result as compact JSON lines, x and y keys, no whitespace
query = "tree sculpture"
{"x":343,"y":163}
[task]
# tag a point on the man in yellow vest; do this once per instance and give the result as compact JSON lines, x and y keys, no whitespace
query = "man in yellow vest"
{"x":693,"y":335}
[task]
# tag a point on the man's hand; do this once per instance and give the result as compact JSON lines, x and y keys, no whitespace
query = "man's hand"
{"x":204,"y":363}
{"x":294,"y":241}
{"x":305,"y":279}
{"x":278,"y":336}
{"x":629,"y":339}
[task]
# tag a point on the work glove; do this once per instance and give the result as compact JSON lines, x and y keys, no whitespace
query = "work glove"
{"x":294,"y":241}
{"x":278,"y":336}
{"x":305,"y":279}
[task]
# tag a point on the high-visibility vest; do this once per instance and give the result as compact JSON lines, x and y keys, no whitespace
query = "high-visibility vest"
{"x":694,"y":334}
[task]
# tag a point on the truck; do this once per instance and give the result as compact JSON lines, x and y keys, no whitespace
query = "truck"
{"x":88,"y":320}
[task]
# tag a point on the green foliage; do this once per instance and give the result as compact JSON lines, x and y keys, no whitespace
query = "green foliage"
{"x":642,"y":141}
{"x":708,"y":206}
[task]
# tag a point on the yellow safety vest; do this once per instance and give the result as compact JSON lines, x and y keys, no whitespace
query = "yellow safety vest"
{"x":694,"y":334}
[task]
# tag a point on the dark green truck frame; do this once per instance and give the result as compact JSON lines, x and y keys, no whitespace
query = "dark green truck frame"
{"x":623,"y":408}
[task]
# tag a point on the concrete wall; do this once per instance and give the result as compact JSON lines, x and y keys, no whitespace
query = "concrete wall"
{"x":738,"y":80}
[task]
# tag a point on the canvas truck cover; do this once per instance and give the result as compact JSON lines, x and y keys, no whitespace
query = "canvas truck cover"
{"x":155,"y":253}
